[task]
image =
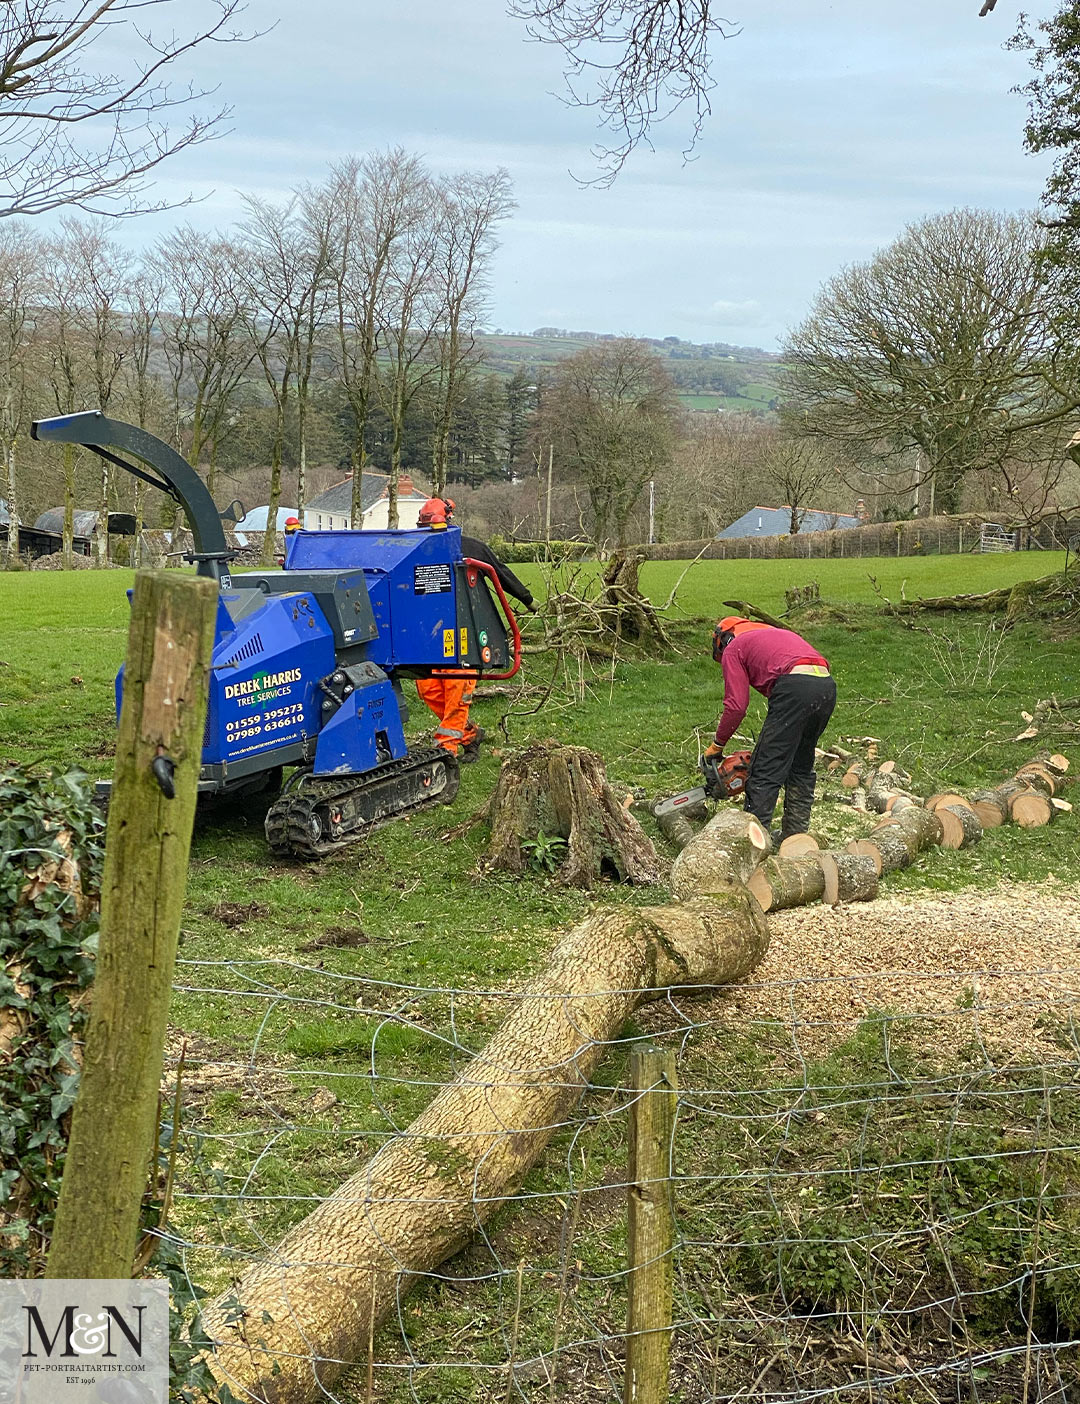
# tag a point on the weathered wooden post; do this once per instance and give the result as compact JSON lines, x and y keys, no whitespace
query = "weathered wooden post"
{"x":152,"y":809}
{"x":651,"y":1226}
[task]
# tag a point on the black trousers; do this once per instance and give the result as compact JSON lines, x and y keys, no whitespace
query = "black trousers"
{"x":799,"y":710}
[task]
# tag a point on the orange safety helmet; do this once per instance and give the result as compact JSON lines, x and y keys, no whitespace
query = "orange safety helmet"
{"x":436,"y":512}
{"x":728,"y":628}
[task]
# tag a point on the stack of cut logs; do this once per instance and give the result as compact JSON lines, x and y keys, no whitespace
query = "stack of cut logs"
{"x":804,"y":869}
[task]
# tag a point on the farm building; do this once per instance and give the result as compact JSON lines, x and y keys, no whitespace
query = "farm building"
{"x":331,"y":508}
{"x":776,"y":521}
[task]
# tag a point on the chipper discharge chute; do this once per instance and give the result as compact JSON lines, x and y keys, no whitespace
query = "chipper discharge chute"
{"x":308,"y":660}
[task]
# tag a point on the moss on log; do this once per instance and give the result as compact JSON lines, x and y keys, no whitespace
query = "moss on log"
{"x":283,"y":1333}
{"x":722,"y":855}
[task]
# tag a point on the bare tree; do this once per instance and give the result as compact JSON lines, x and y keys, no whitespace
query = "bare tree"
{"x":472,"y":205}
{"x":612,"y":416}
{"x":65,"y":359}
{"x":21,"y":259}
{"x":143,"y":388}
{"x":635,"y":61}
{"x":798,"y":469}
{"x":100,"y":271}
{"x":287,"y":278}
{"x":409,"y":318}
{"x":81,"y":133}
{"x":205,"y":335}
{"x":947,"y":343}
{"x":373,"y":200}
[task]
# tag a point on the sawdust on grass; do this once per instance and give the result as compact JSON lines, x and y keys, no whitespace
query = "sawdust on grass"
{"x":1001,"y":967}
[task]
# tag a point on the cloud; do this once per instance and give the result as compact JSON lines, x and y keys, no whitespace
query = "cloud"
{"x":746,"y":314}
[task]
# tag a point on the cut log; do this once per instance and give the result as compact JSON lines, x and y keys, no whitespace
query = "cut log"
{"x":827,"y":863}
{"x":1039,"y":778}
{"x":797,"y":845}
{"x":856,"y":876}
{"x":1031,"y":810}
{"x":859,"y":774}
{"x":720,"y":856}
{"x":869,"y":848}
{"x":944,"y":797}
{"x":562,"y":791}
{"x":787,"y":882}
{"x":285,"y":1332}
{"x":960,"y":826}
{"x":991,"y":809}
{"x":1058,"y":763}
{"x":900,"y":840}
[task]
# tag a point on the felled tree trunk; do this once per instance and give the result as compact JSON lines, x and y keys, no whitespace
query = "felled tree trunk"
{"x":562,"y":792}
{"x":722,"y":855}
{"x":848,"y":877}
{"x":282,"y":1332}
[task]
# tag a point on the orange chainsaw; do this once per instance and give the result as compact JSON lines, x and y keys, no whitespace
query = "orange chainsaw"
{"x":725,"y":778}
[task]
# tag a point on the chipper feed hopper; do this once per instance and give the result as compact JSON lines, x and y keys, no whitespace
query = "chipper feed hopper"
{"x":308,"y":659}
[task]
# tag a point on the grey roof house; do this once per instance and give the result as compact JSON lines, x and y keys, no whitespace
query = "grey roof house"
{"x":776,"y":521}
{"x":330,"y":510}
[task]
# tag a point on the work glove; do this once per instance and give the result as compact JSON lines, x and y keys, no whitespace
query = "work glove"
{"x":712,"y":749}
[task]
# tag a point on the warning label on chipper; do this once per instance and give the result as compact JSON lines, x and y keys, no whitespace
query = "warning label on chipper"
{"x":432,"y":579}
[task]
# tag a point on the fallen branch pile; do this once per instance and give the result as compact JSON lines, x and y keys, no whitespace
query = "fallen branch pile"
{"x":1055,"y":595}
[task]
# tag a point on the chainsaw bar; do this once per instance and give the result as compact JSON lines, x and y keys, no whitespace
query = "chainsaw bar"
{"x":317,"y":815}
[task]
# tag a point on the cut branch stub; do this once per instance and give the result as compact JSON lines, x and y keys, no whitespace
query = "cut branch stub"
{"x":562,"y":792}
{"x":284,"y":1333}
{"x":722,"y":855}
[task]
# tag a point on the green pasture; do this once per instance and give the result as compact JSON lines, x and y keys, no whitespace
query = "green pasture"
{"x":304,"y":978}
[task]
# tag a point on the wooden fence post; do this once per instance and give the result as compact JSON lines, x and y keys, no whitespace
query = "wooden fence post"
{"x":142,"y":892}
{"x":651,"y":1226}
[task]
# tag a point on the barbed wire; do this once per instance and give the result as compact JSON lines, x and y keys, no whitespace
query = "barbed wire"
{"x":878,"y":1206}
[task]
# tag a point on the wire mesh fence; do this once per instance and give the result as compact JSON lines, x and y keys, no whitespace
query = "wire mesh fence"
{"x":875,"y":1182}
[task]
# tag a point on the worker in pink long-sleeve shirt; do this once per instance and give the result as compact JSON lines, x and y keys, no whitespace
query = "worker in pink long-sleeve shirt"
{"x":795,"y":678}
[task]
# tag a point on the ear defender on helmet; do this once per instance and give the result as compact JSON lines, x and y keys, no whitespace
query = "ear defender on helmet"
{"x":720,"y":639}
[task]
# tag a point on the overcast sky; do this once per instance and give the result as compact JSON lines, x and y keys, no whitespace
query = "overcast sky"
{"x":834,"y":125}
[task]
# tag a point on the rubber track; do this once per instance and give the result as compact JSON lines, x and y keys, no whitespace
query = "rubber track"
{"x":287,"y":821}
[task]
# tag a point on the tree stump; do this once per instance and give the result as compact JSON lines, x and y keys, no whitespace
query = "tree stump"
{"x":562,"y":792}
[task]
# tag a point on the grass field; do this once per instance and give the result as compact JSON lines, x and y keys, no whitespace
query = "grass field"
{"x":273,"y":954}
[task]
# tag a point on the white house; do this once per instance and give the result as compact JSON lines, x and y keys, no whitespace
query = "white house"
{"x":330,"y":510}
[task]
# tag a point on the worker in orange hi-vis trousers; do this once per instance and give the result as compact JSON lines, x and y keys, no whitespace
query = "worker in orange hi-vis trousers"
{"x":451,"y":697}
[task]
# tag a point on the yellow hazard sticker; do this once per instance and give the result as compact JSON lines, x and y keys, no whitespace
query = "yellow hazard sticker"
{"x":448,"y":643}
{"x":464,"y":640}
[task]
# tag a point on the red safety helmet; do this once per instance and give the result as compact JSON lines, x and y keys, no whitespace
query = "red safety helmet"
{"x":728,"y":628}
{"x":292,"y":523}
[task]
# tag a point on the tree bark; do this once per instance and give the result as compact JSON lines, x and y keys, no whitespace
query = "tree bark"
{"x":992,"y":810}
{"x":787,"y":882}
{"x":848,"y":877}
{"x":899,"y":841}
{"x":562,"y":791}
{"x":341,"y":1271}
{"x":723,"y":855}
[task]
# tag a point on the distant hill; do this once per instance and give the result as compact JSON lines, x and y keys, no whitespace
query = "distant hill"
{"x":710,"y":376}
